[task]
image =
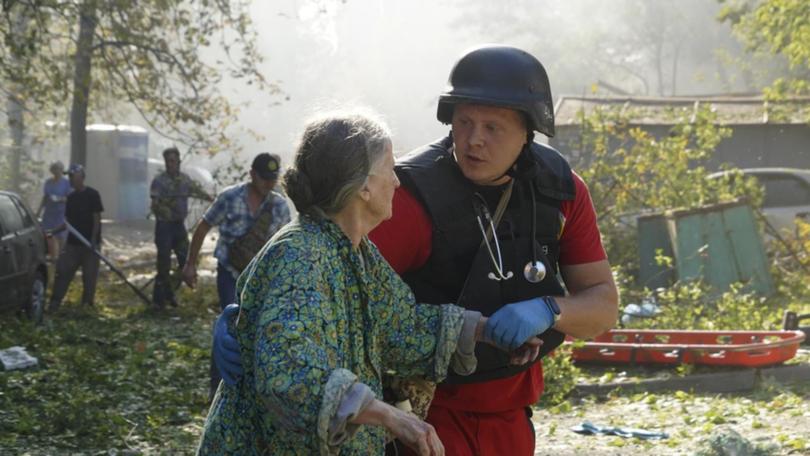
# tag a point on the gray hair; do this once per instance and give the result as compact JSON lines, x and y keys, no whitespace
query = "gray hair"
{"x":333,"y":160}
{"x":57,"y":165}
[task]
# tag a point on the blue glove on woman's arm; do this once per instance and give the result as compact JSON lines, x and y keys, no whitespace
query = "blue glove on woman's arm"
{"x":513,"y":324}
{"x":226,"y":347}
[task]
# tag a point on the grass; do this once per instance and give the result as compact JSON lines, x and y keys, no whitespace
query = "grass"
{"x":112,"y":379}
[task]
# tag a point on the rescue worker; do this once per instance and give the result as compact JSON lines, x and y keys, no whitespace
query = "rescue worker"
{"x":488,"y":175}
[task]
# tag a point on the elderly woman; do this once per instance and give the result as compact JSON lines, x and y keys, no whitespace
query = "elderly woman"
{"x":54,"y":196}
{"x":323,"y":316}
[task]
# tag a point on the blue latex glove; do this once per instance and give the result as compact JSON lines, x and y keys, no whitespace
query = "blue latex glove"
{"x":513,"y":324}
{"x":226,"y":348}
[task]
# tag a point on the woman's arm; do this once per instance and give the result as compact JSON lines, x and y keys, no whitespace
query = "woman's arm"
{"x":295,"y":375}
{"x":296,"y":346}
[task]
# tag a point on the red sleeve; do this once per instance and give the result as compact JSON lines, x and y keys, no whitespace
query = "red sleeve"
{"x":580,"y":241}
{"x":406,"y":238}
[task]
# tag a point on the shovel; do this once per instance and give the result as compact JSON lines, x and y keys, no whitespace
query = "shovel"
{"x":109,"y":263}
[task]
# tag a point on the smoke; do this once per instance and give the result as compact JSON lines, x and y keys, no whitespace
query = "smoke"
{"x":395,"y":55}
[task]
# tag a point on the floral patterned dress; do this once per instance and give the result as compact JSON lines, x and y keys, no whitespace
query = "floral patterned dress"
{"x":317,"y":316}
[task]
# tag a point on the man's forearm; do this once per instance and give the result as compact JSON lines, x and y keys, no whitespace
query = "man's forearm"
{"x":588,"y":312}
{"x":592,"y":306}
{"x":196,"y":241}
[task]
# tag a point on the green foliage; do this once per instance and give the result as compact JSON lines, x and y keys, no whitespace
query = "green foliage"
{"x":790,"y":256}
{"x":34,"y":68}
{"x":694,"y":305}
{"x":561,"y":375}
{"x":778,"y":27}
{"x":31,"y":175}
{"x":111,"y":378}
{"x":783,"y":27}
{"x":147,"y":55}
{"x":630,"y":172}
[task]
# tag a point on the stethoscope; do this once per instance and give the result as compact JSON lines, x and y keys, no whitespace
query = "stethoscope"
{"x":534,"y":271}
{"x":480,"y":205}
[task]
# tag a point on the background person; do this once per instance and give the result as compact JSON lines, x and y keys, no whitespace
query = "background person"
{"x":83,"y":211}
{"x":170,"y":191}
{"x":52,"y":208}
{"x":247,"y":215}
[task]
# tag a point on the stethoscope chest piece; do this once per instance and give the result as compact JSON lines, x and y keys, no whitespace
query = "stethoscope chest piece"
{"x":535,"y":271}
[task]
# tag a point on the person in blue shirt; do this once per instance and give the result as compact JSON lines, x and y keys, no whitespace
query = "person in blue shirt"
{"x":247,"y":215}
{"x":52,"y":208}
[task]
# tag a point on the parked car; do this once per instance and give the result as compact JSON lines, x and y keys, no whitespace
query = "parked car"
{"x":23,"y":269}
{"x":787,"y":195}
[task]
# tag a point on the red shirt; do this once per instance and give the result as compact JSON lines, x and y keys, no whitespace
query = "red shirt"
{"x":405,"y":241}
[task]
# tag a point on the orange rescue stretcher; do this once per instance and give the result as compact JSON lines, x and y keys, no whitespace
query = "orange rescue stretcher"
{"x":717,"y":348}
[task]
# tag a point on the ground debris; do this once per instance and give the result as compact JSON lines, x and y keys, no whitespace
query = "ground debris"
{"x":16,"y":358}
{"x":728,"y":442}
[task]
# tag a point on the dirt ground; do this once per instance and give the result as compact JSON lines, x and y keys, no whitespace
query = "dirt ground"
{"x":131,"y":245}
{"x":774,"y":418}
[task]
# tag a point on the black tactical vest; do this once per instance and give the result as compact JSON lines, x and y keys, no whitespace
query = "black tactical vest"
{"x":458,"y":266}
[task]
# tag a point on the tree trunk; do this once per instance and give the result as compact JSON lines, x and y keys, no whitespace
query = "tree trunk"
{"x":17,"y":127}
{"x":81,"y":83}
{"x":16,"y":122}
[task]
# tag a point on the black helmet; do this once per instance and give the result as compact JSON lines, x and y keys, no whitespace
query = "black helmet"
{"x":501,"y":76}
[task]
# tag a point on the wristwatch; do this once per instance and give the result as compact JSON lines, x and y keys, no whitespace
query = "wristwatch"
{"x":553,"y":307}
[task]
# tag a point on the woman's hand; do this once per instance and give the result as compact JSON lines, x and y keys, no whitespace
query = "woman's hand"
{"x":418,"y":435}
{"x":527,"y":352}
{"x":407,"y":427}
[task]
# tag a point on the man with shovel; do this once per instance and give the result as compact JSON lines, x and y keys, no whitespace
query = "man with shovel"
{"x":83,"y":212}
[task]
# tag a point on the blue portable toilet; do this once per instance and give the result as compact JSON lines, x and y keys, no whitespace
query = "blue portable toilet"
{"x":117,"y":158}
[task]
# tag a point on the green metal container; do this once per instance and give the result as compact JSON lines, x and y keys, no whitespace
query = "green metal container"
{"x":719,"y":244}
{"x":653,"y":238}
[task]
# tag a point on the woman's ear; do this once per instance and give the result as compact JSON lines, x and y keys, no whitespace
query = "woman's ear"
{"x":365,"y":193}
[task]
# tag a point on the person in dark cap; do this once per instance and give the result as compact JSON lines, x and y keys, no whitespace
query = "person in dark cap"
{"x":247,"y":215}
{"x":83,"y":210}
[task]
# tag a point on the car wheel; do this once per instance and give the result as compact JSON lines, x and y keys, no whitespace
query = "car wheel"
{"x":36,"y":300}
